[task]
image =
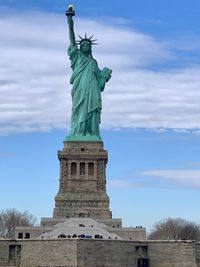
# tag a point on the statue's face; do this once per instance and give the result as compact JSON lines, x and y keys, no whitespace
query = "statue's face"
{"x":86,"y":47}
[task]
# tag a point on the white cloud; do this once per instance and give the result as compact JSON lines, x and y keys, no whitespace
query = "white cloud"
{"x":160,"y":178}
{"x":185,"y":178}
{"x":35,"y":70}
{"x":120,"y":183}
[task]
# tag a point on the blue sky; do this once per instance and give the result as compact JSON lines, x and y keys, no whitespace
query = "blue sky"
{"x":150,"y":117}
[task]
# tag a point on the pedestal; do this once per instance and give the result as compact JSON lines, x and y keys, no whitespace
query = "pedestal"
{"x":82,"y":190}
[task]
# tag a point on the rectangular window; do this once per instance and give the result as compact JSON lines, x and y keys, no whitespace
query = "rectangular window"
{"x":27,"y":235}
{"x":20,"y":235}
{"x":91,"y":168}
{"x":73,"y":168}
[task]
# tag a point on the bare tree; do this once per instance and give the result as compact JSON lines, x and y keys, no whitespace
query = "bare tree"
{"x":175,"y":229}
{"x":10,"y":218}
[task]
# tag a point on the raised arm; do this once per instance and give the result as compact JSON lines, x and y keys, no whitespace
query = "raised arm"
{"x":71,"y":30}
{"x":70,"y":13}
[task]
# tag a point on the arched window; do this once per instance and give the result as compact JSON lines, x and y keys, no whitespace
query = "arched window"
{"x":73,"y":168}
{"x":91,"y":168}
{"x":82,"y":168}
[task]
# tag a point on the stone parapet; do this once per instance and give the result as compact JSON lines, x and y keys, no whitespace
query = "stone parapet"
{"x":130,"y":233}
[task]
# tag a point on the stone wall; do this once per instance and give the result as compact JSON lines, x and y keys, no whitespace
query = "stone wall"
{"x":39,"y":253}
{"x":45,"y":253}
{"x":106,"y":254}
{"x":4,"y":252}
{"x":171,"y":254}
{"x":97,"y":253}
{"x":197,"y":252}
{"x":34,"y":232}
{"x":134,"y":234}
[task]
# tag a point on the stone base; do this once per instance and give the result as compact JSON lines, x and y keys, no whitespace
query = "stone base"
{"x":82,"y":191}
{"x":68,"y":252}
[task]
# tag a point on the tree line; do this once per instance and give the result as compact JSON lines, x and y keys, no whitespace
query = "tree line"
{"x":10,"y":218}
{"x":175,"y":229}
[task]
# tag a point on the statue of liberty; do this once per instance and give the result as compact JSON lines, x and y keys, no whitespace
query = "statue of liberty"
{"x":88,"y":82}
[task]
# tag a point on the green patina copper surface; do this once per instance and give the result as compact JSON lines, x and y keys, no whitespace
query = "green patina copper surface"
{"x":88,"y":81}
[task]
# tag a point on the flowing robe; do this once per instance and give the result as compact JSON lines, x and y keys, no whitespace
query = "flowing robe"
{"x":88,"y":84}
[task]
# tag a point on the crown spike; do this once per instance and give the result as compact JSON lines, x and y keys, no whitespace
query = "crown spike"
{"x":91,"y":37}
{"x":80,"y":37}
{"x":85,"y":38}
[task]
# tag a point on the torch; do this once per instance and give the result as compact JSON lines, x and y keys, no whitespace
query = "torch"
{"x":70,"y":11}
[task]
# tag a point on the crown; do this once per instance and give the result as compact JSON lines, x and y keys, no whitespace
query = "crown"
{"x":86,"y":39}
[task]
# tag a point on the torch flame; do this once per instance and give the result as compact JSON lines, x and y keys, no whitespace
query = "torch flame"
{"x":70,"y":7}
